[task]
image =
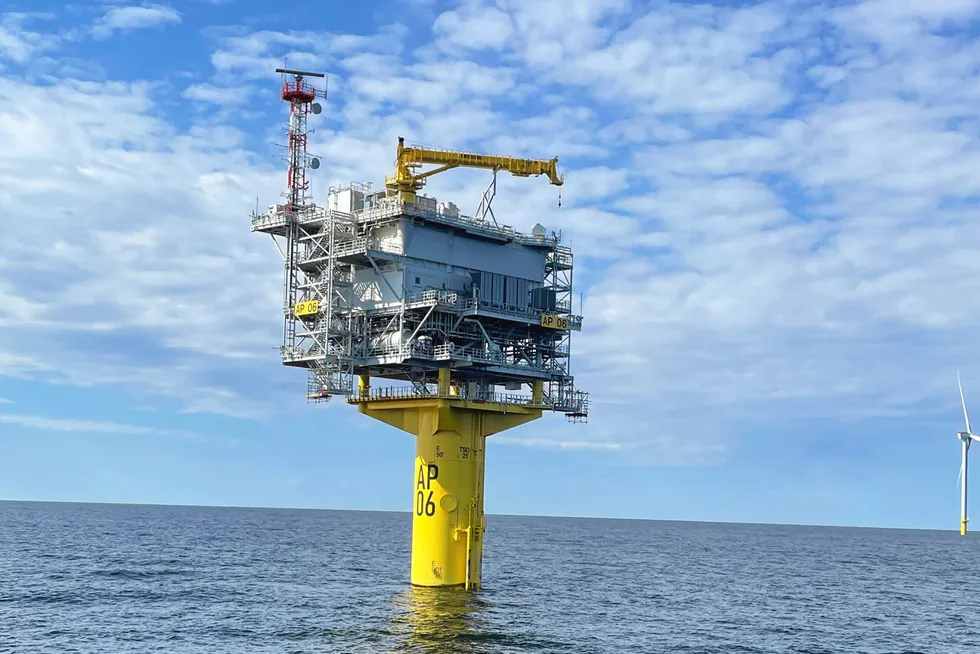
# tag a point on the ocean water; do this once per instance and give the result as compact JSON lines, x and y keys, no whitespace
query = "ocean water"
{"x":110,"y":578}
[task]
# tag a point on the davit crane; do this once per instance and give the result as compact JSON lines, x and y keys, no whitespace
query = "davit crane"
{"x":405,"y":182}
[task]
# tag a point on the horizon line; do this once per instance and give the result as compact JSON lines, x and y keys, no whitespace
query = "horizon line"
{"x":504,"y":515}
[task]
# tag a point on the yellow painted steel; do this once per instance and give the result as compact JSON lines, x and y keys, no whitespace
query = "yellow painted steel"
{"x":963,"y":526}
{"x":448,"y":476}
{"x":306,"y":308}
{"x":405,"y":183}
{"x":554,"y":322}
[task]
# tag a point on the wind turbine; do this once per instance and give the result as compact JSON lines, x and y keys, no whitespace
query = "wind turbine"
{"x":966,"y":437}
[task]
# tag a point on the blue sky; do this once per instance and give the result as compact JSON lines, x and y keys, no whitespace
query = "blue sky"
{"x":772,"y":208}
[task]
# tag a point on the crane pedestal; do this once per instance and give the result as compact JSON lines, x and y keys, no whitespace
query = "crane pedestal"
{"x":451,"y":432}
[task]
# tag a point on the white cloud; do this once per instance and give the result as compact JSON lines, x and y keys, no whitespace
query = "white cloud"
{"x":122,"y":281}
{"x":19,"y":366}
{"x":545,"y":443}
{"x":132,"y":18}
{"x":771,"y":207}
{"x":14,"y":46}
{"x":475,"y":27}
{"x":209,"y":93}
{"x":889,"y":22}
{"x":660,"y":440}
{"x":549,"y":31}
{"x":74,"y":425}
{"x":19,"y":44}
{"x":5,"y":401}
{"x":254,"y":55}
{"x":672,"y":65}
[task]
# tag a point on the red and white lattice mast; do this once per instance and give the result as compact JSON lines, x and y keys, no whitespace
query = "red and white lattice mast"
{"x":301,"y":96}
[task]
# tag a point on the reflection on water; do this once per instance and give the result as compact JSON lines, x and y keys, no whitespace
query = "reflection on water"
{"x":434,"y":620}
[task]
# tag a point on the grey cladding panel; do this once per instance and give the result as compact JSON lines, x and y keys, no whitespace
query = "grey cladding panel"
{"x":544,"y":299}
{"x":506,"y":291}
{"x":509,"y":259}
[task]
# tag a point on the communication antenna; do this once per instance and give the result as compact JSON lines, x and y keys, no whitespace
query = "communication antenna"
{"x":300,"y":95}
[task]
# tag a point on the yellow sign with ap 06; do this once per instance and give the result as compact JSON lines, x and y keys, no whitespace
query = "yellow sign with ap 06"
{"x":307,"y":308}
{"x":554,"y":322}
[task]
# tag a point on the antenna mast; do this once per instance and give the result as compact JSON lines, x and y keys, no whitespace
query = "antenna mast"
{"x":300,"y":95}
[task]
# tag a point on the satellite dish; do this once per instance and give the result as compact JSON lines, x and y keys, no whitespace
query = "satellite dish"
{"x":315,"y":163}
{"x":316,"y":108}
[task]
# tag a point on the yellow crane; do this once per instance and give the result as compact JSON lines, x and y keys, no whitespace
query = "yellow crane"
{"x":406,"y":182}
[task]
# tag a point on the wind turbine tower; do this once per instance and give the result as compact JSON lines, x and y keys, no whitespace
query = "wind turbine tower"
{"x":472,"y":319}
{"x":966,"y":438}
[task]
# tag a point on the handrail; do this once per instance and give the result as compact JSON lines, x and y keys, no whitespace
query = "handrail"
{"x":576,"y":402}
{"x":391,"y":207}
{"x":412,"y":392}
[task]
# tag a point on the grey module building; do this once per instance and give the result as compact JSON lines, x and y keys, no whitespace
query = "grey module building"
{"x":392,"y":289}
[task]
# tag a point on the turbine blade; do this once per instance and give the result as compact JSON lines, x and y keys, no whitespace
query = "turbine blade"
{"x":959,"y":477}
{"x":966,"y":416}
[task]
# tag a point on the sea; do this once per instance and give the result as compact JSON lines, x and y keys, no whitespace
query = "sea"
{"x":105,"y":578}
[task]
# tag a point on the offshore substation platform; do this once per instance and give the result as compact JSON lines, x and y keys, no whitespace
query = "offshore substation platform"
{"x":467,"y":314}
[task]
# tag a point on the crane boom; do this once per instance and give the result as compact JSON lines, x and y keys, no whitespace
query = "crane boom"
{"x":405,"y":182}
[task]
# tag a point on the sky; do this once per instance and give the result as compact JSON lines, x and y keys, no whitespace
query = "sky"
{"x":772,"y":208}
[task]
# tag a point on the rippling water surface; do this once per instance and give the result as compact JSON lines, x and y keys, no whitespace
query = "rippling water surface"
{"x":107,"y":578}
